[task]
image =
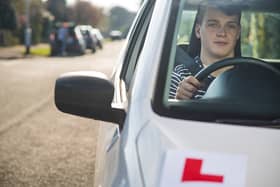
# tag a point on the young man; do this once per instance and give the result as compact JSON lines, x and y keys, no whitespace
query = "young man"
{"x":216,"y":36}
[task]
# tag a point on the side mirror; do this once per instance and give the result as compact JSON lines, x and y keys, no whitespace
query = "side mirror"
{"x":88,"y":94}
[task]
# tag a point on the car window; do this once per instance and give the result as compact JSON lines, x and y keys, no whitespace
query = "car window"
{"x":235,"y":95}
{"x":260,"y":35}
{"x":185,"y":27}
{"x":136,"y":43}
{"x":254,"y":25}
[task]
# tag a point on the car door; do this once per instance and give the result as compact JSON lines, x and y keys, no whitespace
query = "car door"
{"x":123,"y":80}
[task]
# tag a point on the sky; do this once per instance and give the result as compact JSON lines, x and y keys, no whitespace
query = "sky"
{"x":131,"y":5}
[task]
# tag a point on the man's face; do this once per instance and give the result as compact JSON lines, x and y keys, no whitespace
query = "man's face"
{"x":218,"y":33}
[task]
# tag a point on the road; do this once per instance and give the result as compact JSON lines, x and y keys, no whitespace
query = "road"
{"x":40,"y":146}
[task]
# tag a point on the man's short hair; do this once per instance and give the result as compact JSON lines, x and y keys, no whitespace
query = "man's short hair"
{"x":227,"y":10}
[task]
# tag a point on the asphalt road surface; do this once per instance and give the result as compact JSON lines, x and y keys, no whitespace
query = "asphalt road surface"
{"x":40,"y":146}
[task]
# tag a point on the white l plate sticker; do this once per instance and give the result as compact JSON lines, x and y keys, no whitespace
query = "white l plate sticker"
{"x":203,"y":169}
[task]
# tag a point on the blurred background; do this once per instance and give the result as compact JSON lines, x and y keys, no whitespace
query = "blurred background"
{"x":39,"y":41}
{"x":31,"y":22}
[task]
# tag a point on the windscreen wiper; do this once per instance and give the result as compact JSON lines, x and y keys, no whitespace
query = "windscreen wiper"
{"x":248,"y":122}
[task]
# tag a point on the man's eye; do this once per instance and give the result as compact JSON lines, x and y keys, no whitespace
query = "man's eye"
{"x":213,"y":25}
{"x":232,"y":26}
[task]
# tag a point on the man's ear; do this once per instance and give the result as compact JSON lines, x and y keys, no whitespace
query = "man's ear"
{"x":197,"y":31}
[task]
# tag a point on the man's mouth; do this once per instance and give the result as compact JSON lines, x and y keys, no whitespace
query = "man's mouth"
{"x":220,"y":43}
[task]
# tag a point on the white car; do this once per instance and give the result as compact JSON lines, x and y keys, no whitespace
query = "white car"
{"x":89,"y":36}
{"x":116,"y":35}
{"x":228,"y":138}
{"x":99,"y":37}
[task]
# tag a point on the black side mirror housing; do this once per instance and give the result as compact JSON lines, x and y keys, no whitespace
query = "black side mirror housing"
{"x":87,"y":94}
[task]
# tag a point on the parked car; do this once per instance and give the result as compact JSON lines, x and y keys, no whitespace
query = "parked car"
{"x":74,"y":42}
{"x":228,"y":138}
{"x":89,"y":37}
{"x":99,"y":37}
{"x":115,"y":35}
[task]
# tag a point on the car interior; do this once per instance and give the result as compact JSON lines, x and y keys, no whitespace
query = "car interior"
{"x":247,"y":94}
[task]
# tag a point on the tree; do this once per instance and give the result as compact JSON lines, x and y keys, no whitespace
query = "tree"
{"x":85,"y":13}
{"x":7,"y":15}
{"x":36,"y":19}
{"x":121,"y":19}
{"x":260,"y":36}
{"x":272,"y":38}
{"x":58,"y":9}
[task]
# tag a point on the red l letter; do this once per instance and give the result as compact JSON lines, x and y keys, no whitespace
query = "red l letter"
{"x":192,"y":173}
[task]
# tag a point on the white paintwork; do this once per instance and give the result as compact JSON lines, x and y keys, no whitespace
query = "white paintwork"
{"x":140,"y":157}
{"x":259,"y":145}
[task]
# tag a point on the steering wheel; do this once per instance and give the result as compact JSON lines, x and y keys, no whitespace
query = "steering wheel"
{"x":249,"y":91}
{"x":202,"y":74}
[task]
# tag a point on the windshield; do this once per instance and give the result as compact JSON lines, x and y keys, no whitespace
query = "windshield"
{"x":236,"y":48}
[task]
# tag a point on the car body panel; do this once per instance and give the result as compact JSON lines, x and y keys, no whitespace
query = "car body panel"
{"x":162,"y":135}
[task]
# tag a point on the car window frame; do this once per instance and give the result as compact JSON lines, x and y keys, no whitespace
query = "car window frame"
{"x":135,"y":43}
{"x":158,"y":96}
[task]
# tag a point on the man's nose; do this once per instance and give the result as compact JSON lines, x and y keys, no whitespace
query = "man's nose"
{"x":221,"y":31}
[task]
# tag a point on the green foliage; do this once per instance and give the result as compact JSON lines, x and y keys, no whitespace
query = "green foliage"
{"x":121,"y":19}
{"x":36,"y":20}
{"x":58,"y":9}
{"x":185,"y":27}
{"x":260,"y":35}
{"x":7,"y":16}
{"x":84,"y":13}
{"x":272,"y":37}
{"x":9,"y":38}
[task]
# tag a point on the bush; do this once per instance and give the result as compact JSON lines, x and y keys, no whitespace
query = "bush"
{"x":8,"y":38}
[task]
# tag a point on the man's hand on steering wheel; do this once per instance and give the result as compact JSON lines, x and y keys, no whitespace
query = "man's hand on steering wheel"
{"x":187,"y":87}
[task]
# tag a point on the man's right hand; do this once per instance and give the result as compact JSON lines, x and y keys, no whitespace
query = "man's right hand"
{"x":187,"y":87}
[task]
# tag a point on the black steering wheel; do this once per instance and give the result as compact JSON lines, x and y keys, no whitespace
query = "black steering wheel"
{"x":202,"y":74}
{"x":249,"y":91}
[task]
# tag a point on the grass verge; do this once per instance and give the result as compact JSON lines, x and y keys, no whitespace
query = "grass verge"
{"x":41,"y":51}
